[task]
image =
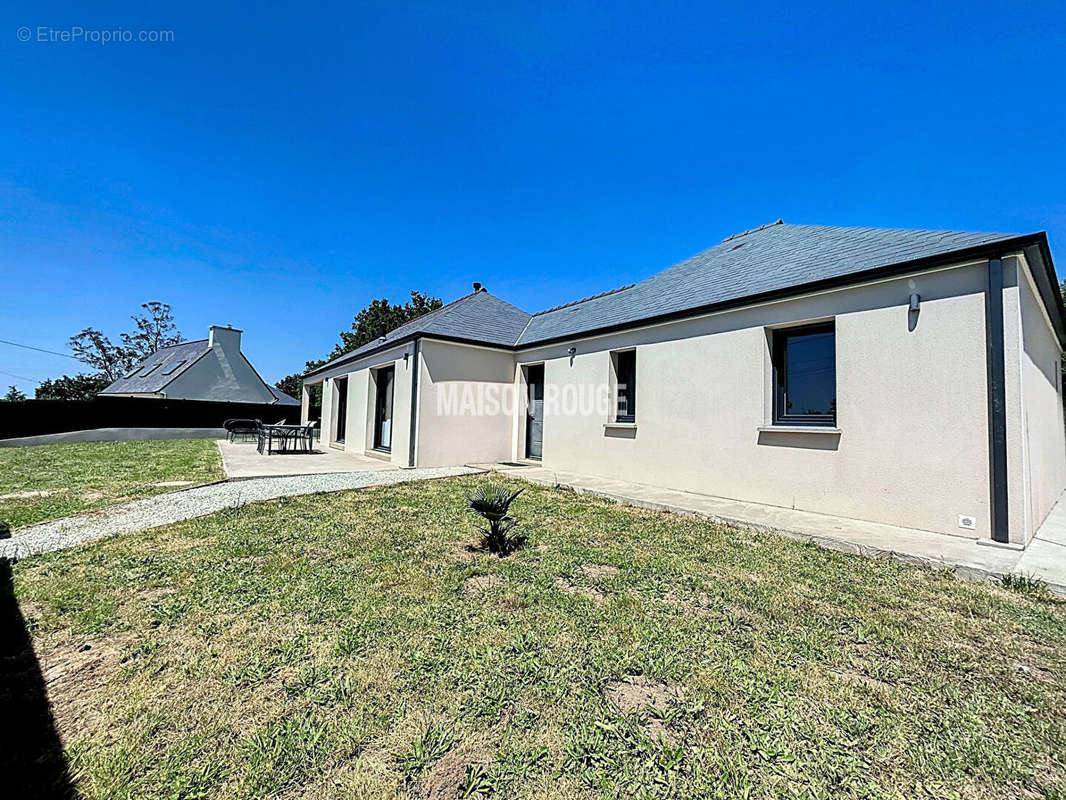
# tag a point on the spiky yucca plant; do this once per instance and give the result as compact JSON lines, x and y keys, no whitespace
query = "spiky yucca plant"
{"x":493,"y":501}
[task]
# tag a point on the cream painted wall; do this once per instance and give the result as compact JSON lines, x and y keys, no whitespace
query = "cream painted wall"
{"x":472,"y":377}
{"x":1017,"y":489}
{"x":911,"y":398}
{"x":358,"y":418}
{"x":1043,"y":439}
{"x":328,"y":424}
{"x":359,"y":432}
{"x":401,"y":412}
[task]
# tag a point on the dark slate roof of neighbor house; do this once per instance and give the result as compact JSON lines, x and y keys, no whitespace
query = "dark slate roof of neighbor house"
{"x":282,"y":398}
{"x":159,"y":369}
{"x":164,"y":365}
{"x":769,"y":261}
{"x":476,"y":317}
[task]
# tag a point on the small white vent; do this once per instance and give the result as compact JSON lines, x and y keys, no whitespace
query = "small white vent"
{"x":967,"y":522}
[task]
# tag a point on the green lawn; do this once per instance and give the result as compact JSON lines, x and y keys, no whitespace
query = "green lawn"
{"x":337,"y":646}
{"x":56,"y":480}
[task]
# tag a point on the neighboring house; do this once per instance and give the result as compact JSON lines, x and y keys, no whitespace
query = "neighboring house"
{"x":905,"y":377}
{"x":206,"y":369}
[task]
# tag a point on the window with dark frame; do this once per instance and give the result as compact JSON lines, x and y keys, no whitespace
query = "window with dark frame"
{"x":625,"y":372}
{"x":805,"y":385}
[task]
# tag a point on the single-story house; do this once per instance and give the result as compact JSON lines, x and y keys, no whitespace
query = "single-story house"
{"x":206,"y":369}
{"x":907,"y":377}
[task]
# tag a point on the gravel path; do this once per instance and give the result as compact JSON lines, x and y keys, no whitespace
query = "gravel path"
{"x":164,"y":509}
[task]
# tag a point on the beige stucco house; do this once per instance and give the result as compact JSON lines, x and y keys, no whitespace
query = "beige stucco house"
{"x":905,"y":377}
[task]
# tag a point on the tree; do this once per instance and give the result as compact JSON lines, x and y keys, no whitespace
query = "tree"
{"x":292,"y":385}
{"x":380,"y":317}
{"x":155,"y":330}
{"x":92,"y":347}
{"x":13,"y":395}
{"x":82,"y":386}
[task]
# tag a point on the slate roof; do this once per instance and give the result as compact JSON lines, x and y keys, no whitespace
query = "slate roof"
{"x":768,"y":259}
{"x":282,"y":398}
{"x":164,"y":365}
{"x":478,"y":317}
{"x":168,"y":363}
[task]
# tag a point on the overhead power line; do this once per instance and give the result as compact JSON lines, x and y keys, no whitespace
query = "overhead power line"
{"x":38,"y":349}
{"x":34,"y":381}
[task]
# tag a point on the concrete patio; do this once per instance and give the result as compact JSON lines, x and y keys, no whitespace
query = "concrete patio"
{"x":1044,"y":558}
{"x":241,"y":460}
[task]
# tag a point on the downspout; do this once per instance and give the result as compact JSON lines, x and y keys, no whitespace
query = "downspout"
{"x":415,"y":349}
{"x":997,"y":403}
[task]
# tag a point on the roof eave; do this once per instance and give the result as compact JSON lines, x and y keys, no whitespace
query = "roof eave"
{"x":338,"y":362}
{"x":347,"y":358}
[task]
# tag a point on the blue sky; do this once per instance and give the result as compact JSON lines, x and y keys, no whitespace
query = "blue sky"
{"x":278,"y":168}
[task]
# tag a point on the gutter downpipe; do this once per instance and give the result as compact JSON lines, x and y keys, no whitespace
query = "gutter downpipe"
{"x":997,"y":403}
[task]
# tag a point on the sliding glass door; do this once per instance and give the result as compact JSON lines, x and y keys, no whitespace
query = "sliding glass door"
{"x":341,"y":413}
{"x":384,"y":378}
{"x":535,"y":412}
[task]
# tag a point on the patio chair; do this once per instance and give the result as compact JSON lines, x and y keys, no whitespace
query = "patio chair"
{"x":265,"y":435}
{"x":240,"y":427}
{"x":281,"y":437}
{"x":307,"y":434}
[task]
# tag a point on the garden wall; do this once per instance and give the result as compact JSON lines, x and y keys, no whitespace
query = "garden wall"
{"x":37,"y":417}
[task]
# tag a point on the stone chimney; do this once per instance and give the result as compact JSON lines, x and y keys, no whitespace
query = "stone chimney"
{"x":228,"y":338}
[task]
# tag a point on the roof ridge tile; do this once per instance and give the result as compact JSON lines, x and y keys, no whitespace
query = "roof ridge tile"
{"x":780,"y":221}
{"x":585,"y":299}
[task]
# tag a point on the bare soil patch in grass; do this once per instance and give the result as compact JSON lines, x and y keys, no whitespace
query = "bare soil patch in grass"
{"x":638,"y":692}
{"x":595,"y":571}
{"x":479,"y":584}
{"x":75,"y":675}
{"x":445,"y":778}
{"x":861,"y":679}
{"x":445,"y":775}
{"x":28,"y":494}
{"x":587,"y":592}
{"x":697,"y":604}
{"x":647,"y":697}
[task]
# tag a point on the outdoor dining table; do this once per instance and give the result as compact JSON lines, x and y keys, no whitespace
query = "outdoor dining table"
{"x":284,"y":435}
